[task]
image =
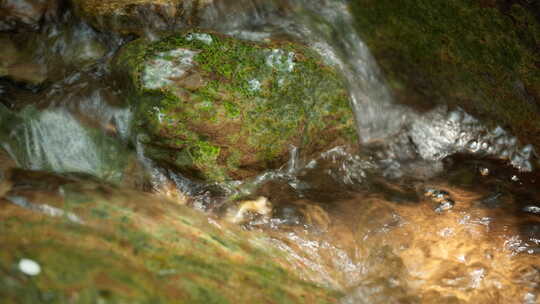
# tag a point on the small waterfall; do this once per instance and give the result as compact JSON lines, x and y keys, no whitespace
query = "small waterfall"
{"x":328,"y":27}
{"x":402,"y":137}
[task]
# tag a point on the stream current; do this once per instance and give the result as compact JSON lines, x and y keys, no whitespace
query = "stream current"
{"x":436,"y":207}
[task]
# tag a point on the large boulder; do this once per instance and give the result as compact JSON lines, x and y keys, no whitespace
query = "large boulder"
{"x":221,"y":108}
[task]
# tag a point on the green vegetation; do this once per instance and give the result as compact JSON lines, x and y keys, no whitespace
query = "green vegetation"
{"x":474,"y":54}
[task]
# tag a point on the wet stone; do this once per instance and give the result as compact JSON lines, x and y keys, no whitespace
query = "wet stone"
{"x":166,"y":67}
{"x":137,"y":17}
{"x":30,"y":73}
{"x":218,"y":108}
{"x":16,"y":65}
{"x":460,"y":74}
{"x":26,"y":14}
{"x":67,"y":46}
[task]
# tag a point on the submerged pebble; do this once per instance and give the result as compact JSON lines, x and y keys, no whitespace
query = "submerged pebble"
{"x":441,"y":197}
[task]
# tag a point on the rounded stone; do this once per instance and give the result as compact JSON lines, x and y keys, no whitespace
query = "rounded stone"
{"x":221,"y":108}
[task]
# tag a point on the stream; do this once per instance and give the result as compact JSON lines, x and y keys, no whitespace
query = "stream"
{"x":428,"y":207}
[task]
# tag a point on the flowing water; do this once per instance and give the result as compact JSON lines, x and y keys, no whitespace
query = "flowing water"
{"x":436,"y":207}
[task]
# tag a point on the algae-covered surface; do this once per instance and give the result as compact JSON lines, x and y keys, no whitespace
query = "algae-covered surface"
{"x":480,"y":55}
{"x":98,"y":244}
{"x":221,"y":108}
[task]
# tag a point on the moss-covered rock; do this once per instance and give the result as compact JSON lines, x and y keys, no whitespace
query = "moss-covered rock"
{"x":479,"y":55}
{"x":98,"y":244}
{"x":221,"y":108}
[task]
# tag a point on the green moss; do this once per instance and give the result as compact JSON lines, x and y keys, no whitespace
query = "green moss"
{"x":232,"y":109}
{"x":205,"y":152}
{"x":248,"y":103}
{"x":473,"y":54}
{"x":204,"y":156}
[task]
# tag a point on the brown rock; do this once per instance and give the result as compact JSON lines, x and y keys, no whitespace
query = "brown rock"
{"x":134,"y":16}
{"x":27,"y":14}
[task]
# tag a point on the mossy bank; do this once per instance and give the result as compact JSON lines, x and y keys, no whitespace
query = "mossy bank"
{"x":479,"y":55}
{"x":94,"y":243}
{"x":219,"y":108}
